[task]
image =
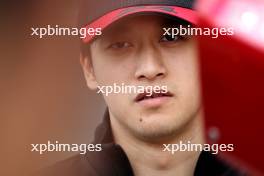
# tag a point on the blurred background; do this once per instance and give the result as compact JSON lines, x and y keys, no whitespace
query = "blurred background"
{"x":43,"y":95}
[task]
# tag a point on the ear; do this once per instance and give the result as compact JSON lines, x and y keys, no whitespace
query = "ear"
{"x":88,"y":71}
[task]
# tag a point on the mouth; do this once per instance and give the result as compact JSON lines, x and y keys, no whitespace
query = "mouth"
{"x":151,"y":96}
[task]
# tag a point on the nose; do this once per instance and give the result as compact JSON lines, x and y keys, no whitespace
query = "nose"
{"x":150,"y":65}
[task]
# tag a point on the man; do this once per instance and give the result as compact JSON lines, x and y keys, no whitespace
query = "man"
{"x":133,"y":50}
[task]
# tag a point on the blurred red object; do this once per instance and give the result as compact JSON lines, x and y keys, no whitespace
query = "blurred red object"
{"x":232,"y":69}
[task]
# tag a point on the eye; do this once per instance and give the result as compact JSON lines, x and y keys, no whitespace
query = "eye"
{"x":120,"y":45}
{"x":170,"y":38}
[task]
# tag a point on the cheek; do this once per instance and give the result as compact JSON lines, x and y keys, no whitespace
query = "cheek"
{"x":184,"y":69}
{"x":110,"y":72}
{"x":183,"y":64}
{"x":119,"y":105}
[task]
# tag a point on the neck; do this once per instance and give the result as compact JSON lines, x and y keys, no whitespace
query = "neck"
{"x":149,"y":158}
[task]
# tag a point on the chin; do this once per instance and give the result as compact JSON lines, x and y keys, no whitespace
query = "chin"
{"x":156,"y":127}
{"x":155,"y":135}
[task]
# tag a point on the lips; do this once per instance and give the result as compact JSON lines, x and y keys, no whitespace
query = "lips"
{"x":147,"y":96}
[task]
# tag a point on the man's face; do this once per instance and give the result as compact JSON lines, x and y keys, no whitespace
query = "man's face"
{"x":134,"y":51}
